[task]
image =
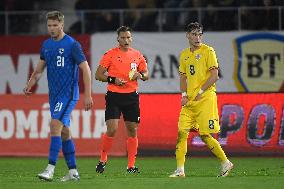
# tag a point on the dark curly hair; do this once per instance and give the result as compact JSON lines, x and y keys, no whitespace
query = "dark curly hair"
{"x":194,"y":26}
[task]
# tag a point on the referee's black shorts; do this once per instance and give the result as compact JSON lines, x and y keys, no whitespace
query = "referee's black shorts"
{"x":125,"y":103}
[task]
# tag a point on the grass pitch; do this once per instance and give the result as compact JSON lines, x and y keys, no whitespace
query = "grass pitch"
{"x":266,"y":173}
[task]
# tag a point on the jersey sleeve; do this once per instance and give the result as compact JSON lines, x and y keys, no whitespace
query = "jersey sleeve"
{"x":142,"y":63}
{"x":77,"y":53}
{"x":212,"y":59}
{"x":42,"y":57}
{"x":106,"y":60}
{"x":182,"y":67}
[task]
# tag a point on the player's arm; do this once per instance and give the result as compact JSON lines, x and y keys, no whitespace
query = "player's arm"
{"x":183,"y":80}
{"x":183,"y":88}
{"x":210,"y":81}
{"x":36,"y":75}
{"x":212,"y":64}
{"x":101,"y":76}
{"x":144,"y":75}
{"x":88,"y":101}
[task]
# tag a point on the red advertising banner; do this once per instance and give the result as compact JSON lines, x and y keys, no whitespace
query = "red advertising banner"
{"x":24,"y":127}
{"x":18,"y":58}
{"x":251,"y":124}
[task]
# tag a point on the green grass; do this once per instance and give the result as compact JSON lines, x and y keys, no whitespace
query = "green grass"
{"x":201,"y":173}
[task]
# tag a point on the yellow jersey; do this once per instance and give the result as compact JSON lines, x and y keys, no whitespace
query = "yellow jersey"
{"x":196,"y":66}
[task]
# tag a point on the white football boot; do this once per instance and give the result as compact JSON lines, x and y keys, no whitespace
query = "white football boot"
{"x":177,"y":173}
{"x":72,"y":175}
{"x":226,"y":167}
{"x":46,"y":175}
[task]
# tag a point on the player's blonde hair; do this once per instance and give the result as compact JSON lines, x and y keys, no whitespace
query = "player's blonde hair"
{"x":55,"y":15}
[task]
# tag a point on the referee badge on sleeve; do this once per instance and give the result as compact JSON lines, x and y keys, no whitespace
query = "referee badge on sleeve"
{"x":133,"y":66}
{"x":133,"y":69}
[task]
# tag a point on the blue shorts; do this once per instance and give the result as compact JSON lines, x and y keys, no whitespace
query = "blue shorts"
{"x":61,"y":110}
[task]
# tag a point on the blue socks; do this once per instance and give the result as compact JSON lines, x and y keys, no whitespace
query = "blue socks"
{"x":54,"y":149}
{"x":68,"y":149}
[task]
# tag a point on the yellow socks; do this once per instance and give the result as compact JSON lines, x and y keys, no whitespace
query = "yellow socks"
{"x":214,"y":146}
{"x":181,"y":148}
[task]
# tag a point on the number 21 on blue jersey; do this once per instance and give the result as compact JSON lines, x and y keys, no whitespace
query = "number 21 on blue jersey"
{"x":60,"y":61}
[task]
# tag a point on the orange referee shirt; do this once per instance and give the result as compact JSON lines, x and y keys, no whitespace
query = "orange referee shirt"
{"x":119,"y":63}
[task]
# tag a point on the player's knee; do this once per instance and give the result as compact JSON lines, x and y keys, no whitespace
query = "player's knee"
{"x":181,"y":145}
{"x":111,"y":131}
{"x":112,"y":125}
{"x":132,"y":132}
{"x":131,"y":128}
{"x":65,"y":134}
{"x":182,"y":135}
{"x":55,"y":128}
{"x":205,"y":138}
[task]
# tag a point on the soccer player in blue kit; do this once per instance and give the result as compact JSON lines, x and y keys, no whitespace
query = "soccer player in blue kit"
{"x":61,"y":55}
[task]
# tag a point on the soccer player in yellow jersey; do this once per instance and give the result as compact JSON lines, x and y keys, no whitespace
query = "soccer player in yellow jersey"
{"x":198,"y":74}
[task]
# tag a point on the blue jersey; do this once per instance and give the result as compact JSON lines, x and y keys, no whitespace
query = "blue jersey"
{"x":62,"y":59}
